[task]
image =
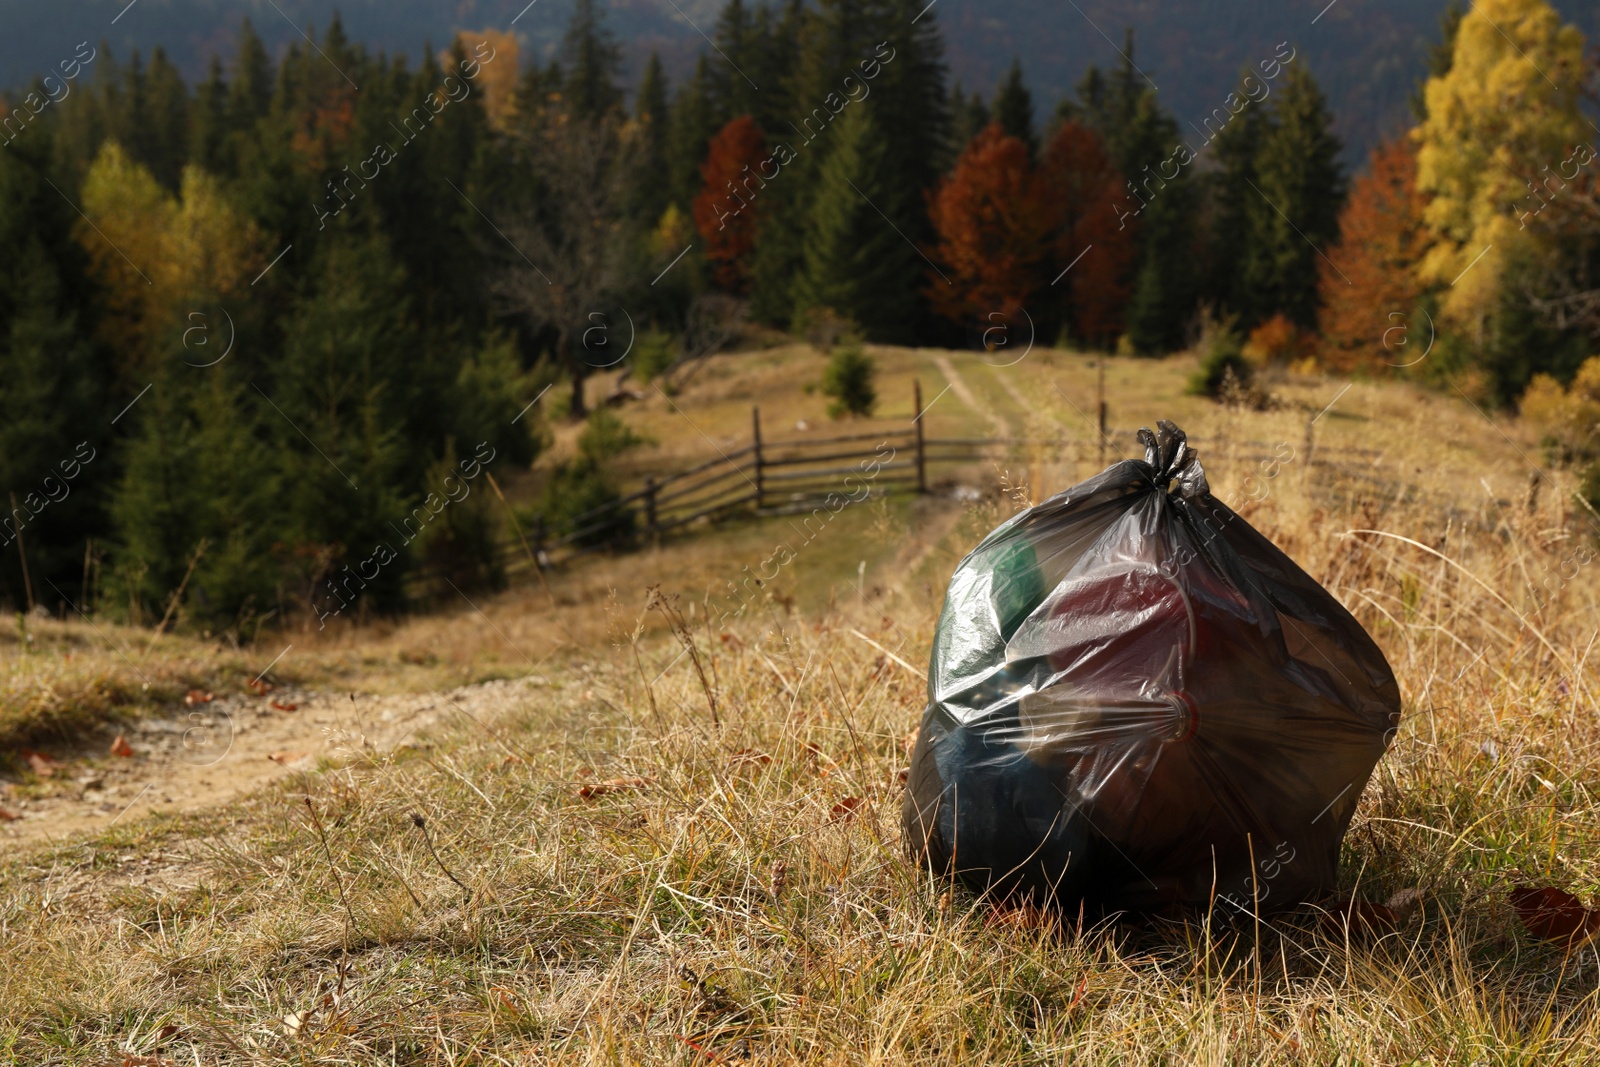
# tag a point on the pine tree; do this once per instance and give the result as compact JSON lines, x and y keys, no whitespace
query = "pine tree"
{"x":693,"y":125}
{"x":968,"y":117}
{"x":1301,"y":193}
{"x":738,"y":54}
{"x":593,"y":58}
{"x":650,"y":194}
{"x":1165,"y":281}
{"x":159,"y":137}
{"x":51,"y":397}
{"x":1013,"y":109}
{"x":250,"y":89}
{"x":208,"y":133}
{"x":854,"y":262}
{"x":1234,"y":209}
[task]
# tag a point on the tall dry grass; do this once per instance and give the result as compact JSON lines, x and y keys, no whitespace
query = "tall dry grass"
{"x":675,"y":856}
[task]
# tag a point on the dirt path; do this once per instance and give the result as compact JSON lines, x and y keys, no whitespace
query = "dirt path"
{"x":211,"y":753}
{"x":958,"y":385}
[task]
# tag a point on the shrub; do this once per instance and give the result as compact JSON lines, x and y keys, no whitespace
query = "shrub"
{"x":587,"y":483}
{"x":654,"y":355}
{"x":848,"y":380}
{"x":1224,"y":359}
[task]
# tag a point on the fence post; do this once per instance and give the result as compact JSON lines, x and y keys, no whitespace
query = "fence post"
{"x":755,"y":429}
{"x":650,"y":509}
{"x":916,"y":425}
{"x":1100,"y":402}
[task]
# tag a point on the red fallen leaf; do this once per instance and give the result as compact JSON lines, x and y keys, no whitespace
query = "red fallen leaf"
{"x":286,"y":758}
{"x":731,"y":640}
{"x":845,"y":810}
{"x":198,"y":696}
{"x":120,"y":747}
{"x":613,"y":785}
{"x":261,"y":686}
{"x":1360,"y":917}
{"x":8,"y":816}
{"x":1552,"y":914}
{"x":283,"y":707}
{"x":39,"y":763}
{"x":749,"y":756}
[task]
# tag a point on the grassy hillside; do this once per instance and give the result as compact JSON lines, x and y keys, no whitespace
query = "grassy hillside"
{"x":652,"y":856}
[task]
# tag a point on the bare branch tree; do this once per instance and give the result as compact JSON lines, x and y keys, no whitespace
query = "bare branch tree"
{"x":572,"y":243}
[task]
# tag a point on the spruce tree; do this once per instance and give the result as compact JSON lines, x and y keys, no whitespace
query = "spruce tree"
{"x":160,"y":135}
{"x":693,"y":125}
{"x":1301,"y":192}
{"x":649,"y":193}
{"x":855,"y":263}
{"x":1234,"y":211}
{"x":50,"y":384}
{"x":1013,"y":109}
{"x":250,"y":91}
{"x":593,"y":58}
{"x":208,"y":131}
{"x":735,"y":70}
{"x":1165,"y":279}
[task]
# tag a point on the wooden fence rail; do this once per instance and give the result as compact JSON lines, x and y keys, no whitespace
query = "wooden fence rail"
{"x":776,"y":477}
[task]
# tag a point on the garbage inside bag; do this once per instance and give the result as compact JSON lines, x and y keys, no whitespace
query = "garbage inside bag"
{"x":1136,"y":700}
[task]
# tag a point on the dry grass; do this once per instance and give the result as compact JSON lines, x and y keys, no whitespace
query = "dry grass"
{"x":737,"y":892}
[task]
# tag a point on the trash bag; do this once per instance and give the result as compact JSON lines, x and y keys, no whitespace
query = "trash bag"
{"x":1136,"y":700}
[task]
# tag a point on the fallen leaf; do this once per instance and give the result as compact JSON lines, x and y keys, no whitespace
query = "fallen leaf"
{"x":39,"y":763}
{"x":120,"y":747}
{"x":845,"y":810}
{"x":198,"y":696}
{"x":1359,"y":917}
{"x":731,"y":640}
{"x":261,"y":686}
{"x":613,"y":785}
{"x":284,"y":707}
{"x":1404,"y":901}
{"x":1551,"y":914}
{"x":746,"y":756}
{"x":286,"y":758}
{"x":8,"y":816}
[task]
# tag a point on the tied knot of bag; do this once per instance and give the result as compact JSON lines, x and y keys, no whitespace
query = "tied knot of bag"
{"x":1174,"y":466}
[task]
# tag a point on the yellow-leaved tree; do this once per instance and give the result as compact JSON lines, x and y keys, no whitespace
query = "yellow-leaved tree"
{"x":1506,"y":110}
{"x":157,"y":258}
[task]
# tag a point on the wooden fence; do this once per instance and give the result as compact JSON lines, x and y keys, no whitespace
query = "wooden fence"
{"x":793,"y":476}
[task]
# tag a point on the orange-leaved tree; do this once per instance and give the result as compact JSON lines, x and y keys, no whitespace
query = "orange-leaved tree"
{"x":1369,"y":283}
{"x":1095,"y":251}
{"x":725,"y":211}
{"x":994,"y":228}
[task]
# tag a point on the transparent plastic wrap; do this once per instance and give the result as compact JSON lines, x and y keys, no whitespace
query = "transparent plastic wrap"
{"x":1136,"y":700}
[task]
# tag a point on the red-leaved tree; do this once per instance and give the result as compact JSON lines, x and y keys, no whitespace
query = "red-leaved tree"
{"x":725,"y":210}
{"x":1369,"y":284}
{"x":994,"y":230}
{"x":1082,"y":188}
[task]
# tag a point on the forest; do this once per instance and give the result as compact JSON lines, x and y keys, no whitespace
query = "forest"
{"x":252,"y":328}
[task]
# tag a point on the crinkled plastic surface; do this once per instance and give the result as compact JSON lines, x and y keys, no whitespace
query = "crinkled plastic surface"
{"x":1137,"y":700}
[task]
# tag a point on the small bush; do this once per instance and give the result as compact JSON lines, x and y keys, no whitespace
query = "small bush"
{"x":587,"y":483}
{"x":848,"y":380}
{"x":653,"y":356}
{"x":1224,"y":358}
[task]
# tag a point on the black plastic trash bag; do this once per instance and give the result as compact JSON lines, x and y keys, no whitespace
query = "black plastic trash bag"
{"x":1136,"y":700}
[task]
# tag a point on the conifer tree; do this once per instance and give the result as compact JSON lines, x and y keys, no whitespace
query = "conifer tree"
{"x":854,"y":262}
{"x":51,"y":397}
{"x":693,"y":125}
{"x":1234,"y":209}
{"x":1165,"y":281}
{"x":1013,"y":109}
{"x":593,"y":59}
{"x":650,"y":193}
{"x":208,"y":132}
{"x":1301,"y":191}
{"x":736,"y":64}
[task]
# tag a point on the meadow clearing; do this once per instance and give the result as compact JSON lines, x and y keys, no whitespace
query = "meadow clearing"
{"x":591,"y":823}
